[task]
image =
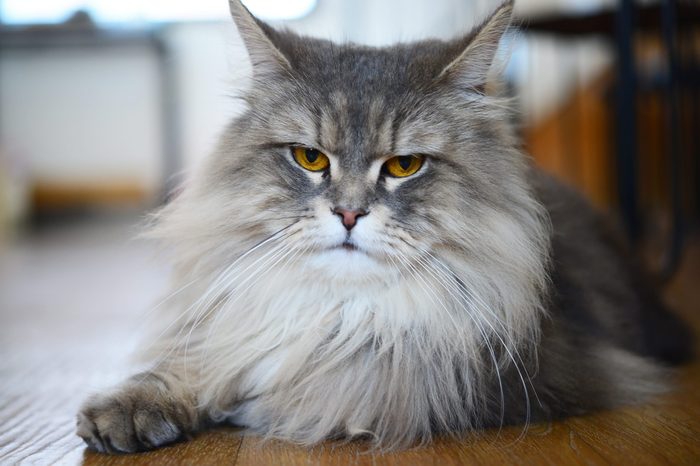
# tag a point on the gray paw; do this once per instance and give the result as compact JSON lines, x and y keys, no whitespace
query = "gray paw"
{"x":147,"y":412}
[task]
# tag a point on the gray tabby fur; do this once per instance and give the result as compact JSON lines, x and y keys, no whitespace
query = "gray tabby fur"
{"x":479,"y":293}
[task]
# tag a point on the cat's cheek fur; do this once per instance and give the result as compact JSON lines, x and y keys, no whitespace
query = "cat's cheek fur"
{"x":327,"y":229}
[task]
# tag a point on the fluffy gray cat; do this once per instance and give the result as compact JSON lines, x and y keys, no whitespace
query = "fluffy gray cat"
{"x":369,"y":254}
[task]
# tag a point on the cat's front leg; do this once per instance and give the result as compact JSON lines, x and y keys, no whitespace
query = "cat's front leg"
{"x":147,"y":411}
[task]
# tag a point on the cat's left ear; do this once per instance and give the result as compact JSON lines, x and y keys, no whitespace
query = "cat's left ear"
{"x":257,"y":38}
{"x":471,"y":67}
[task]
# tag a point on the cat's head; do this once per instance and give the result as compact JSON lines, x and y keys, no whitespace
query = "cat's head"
{"x":362,"y":160}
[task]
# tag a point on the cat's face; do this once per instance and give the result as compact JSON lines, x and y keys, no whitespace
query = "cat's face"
{"x":355,"y":156}
{"x":367,"y":158}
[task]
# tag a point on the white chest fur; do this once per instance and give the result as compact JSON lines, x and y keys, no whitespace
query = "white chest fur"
{"x":309,"y":354}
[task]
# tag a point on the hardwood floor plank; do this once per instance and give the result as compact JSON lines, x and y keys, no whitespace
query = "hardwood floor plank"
{"x":214,"y":448}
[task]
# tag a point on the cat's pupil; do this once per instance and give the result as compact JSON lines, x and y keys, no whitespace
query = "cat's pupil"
{"x":405,"y":162}
{"x":311,"y":155}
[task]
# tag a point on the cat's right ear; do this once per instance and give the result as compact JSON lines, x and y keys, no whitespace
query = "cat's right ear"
{"x":265,"y":57}
{"x":470,"y":69}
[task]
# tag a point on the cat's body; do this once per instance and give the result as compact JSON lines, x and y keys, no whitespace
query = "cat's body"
{"x":368,"y":253}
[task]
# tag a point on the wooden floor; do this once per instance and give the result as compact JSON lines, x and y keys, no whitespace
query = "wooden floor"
{"x":72,"y":303}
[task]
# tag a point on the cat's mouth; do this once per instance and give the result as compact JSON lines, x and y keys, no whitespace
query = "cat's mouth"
{"x":347,"y":245}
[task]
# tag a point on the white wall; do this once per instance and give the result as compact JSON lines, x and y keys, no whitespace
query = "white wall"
{"x":374,"y":22}
{"x":82,"y":115}
{"x":209,"y":64}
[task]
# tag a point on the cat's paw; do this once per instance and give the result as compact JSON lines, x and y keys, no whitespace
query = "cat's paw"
{"x":146,"y":412}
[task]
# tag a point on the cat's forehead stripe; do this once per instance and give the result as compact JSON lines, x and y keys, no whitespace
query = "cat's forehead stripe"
{"x":364,"y":131}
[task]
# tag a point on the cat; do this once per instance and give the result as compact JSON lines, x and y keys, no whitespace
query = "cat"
{"x":368,"y":254}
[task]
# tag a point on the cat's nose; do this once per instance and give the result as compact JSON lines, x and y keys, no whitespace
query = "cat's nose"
{"x":349,"y":216}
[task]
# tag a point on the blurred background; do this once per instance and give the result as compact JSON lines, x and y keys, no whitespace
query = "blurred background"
{"x":105,"y":105}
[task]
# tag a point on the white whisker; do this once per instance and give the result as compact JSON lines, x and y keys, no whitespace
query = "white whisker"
{"x":483,"y":307}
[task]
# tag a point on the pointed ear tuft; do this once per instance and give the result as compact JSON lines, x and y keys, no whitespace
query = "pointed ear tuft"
{"x":265,"y":57}
{"x":471,"y":67}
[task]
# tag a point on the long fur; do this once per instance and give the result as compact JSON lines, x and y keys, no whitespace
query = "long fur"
{"x":393,"y":351}
{"x":479,"y":291}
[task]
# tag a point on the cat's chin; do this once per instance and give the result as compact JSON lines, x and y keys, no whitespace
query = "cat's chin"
{"x":346,"y":262}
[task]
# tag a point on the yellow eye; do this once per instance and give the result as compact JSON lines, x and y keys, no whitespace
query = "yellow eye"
{"x":310,"y":159}
{"x":403,"y":165}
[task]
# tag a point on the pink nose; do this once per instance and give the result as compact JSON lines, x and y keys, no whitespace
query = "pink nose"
{"x":349,"y":217}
